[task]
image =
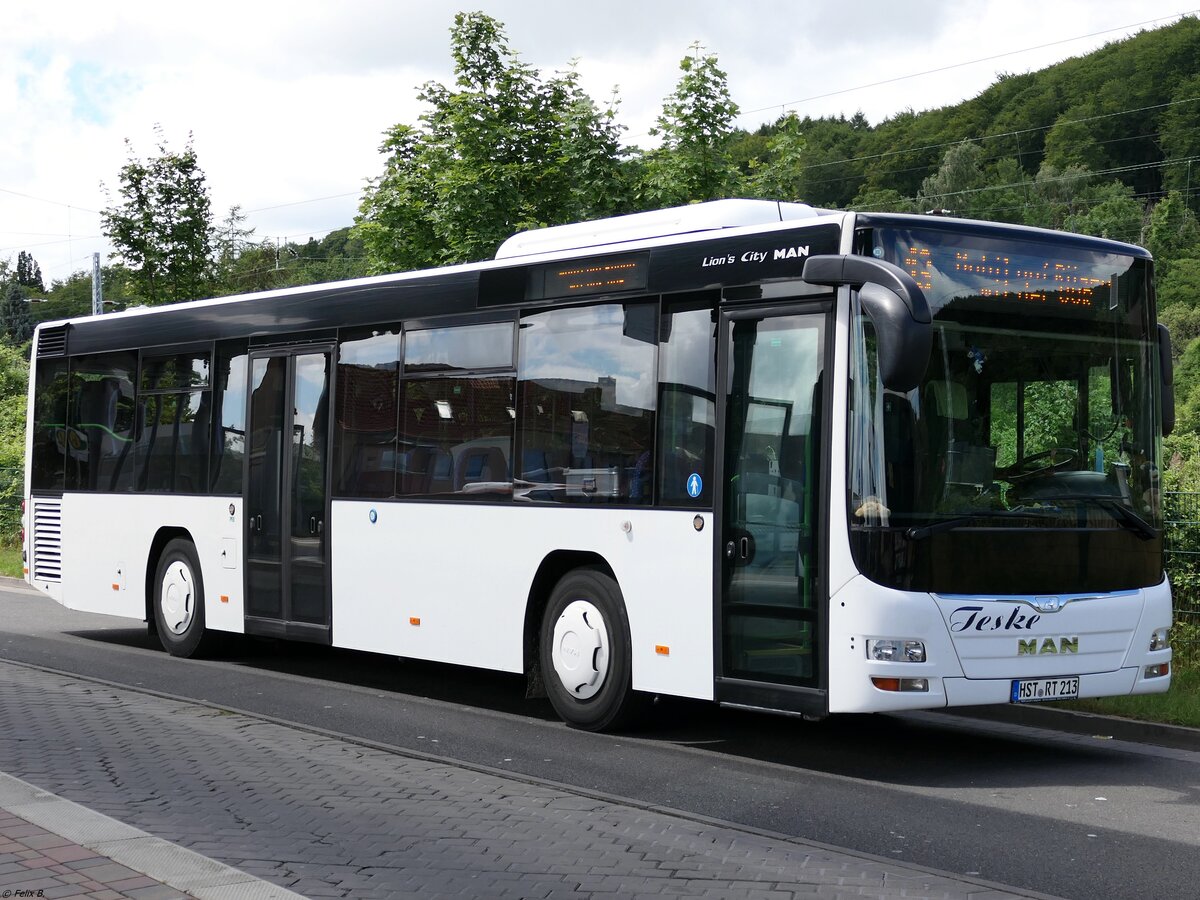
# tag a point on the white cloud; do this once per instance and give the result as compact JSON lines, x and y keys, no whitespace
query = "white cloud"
{"x":287,"y":102}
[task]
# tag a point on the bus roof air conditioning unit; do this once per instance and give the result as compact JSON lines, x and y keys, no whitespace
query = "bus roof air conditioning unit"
{"x":711,"y":216}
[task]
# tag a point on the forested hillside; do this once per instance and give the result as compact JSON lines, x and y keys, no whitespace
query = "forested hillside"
{"x":1103,"y":144}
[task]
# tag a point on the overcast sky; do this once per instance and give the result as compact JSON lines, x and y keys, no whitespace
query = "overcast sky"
{"x":287,"y":102}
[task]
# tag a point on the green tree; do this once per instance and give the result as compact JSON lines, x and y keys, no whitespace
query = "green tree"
{"x":1113,"y":213}
{"x":696,"y":126}
{"x":29,"y":273}
{"x":161,"y":226}
{"x":229,"y":241}
{"x":1171,"y":231}
{"x":872,"y":199}
{"x":500,"y":151}
{"x":14,"y":381}
{"x":1072,"y":141}
{"x":778,"y":174}
{"x":16,"y":324}
{"x":957,"y":182}
{"x":1057,"y":194}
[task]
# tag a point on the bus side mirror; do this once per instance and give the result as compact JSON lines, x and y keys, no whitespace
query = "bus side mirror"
{"x":896,"y":306}
{"x":1167,"y":372}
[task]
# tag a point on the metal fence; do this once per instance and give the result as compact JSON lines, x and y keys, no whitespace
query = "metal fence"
{"x":12,"y":485}
{"x":1181,"y":523}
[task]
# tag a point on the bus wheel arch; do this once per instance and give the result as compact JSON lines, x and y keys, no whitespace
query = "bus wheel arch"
{"x":175,"y":592}
{"x":552,"y":569}
{"x":583,"y":649}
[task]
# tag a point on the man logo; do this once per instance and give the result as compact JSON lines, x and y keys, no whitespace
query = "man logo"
{"x":1047,"y":646}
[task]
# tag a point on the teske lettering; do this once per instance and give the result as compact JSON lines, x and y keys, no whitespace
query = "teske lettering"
{"x":968,"y":618}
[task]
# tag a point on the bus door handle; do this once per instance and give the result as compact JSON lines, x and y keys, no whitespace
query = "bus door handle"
{"x":739,"y":549}
{"x":315,"y":525}
{"x":258,"y":524}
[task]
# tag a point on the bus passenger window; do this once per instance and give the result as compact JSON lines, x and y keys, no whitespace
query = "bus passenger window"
{"x":687,"y":409}
{"x":368,"y":384}
{"x":587,"y":403}
{"x":100,"y":421}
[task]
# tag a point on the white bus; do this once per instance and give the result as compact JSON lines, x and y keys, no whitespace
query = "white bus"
{"x":757,"y":453}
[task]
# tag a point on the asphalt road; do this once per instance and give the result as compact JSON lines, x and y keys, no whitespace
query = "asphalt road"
{"x":1080,"y":816}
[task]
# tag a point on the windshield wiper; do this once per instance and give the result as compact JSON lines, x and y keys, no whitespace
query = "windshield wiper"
{"x":920,"y":533}
{"x":1119,"y":511}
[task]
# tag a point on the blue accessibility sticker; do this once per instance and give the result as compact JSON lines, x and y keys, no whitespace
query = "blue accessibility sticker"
{"x":695,"y":485}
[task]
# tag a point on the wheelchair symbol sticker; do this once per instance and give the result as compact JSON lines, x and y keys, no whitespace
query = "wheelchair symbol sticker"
{"x":695,"y":485}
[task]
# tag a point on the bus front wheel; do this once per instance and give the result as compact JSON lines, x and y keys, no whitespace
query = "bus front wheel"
{"x":585,"y":652}
{"x":179,"y":599}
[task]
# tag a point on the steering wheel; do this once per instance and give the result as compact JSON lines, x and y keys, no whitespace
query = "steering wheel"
{"x":1039,"y":464}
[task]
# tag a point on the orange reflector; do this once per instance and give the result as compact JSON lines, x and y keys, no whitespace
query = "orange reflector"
{"x":886,"y":684}
{"x":224,"y":598}
{"x":662,"y":650}
{"x":414,"y":620}
{"x":116,"y":587}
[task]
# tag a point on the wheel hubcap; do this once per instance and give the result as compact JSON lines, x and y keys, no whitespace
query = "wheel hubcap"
{"x":178,"y":598}
{"x":580,"y":651}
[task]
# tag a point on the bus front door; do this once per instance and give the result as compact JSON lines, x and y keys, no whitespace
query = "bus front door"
{"x":769,"y":606}
{"x":287,"y":496}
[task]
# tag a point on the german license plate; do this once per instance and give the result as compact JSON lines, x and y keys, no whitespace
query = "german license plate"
{"x":1036,"y":690}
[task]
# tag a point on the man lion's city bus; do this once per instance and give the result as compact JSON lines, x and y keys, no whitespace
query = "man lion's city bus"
{"x":757,"y":453}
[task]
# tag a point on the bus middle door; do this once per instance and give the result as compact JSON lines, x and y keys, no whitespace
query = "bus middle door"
{"x":287,"y":495}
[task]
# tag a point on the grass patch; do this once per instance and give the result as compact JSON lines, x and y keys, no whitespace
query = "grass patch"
{"x":1178,"y":706}
{"x":10,"y":562}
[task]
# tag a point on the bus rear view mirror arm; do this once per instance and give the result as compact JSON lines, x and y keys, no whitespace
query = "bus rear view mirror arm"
{"x":896,"y":306}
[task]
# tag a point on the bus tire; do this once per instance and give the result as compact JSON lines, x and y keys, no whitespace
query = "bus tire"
{"x":179,"y":599}
{"x":585,"y":652}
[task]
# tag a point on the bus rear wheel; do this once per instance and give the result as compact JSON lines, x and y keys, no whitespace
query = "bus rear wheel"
{"x":179,"y":599}
{"x":585,"y":653}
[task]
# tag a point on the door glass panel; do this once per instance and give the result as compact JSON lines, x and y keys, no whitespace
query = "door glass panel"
{"x":773,"y":415}
{"x":309,"y":451}
{"x":264,"y":502}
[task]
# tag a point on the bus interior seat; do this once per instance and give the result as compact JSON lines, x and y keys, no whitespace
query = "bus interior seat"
{"x":480,"y":464}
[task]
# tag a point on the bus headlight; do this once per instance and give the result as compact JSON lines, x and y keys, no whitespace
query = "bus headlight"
{"x":1161,"y":639}
{"x":896,"y":650}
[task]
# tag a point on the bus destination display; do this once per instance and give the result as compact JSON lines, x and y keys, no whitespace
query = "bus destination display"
{"x":957,"y":272}
{"x":584,"y":278}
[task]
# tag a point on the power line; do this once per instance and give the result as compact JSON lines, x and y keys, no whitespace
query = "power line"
{"x":965,"y":63}
{"x":71,"y":206}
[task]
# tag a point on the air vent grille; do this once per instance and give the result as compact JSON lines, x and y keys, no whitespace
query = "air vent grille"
{"x":52,"y":341}
{"x":47,"y":540}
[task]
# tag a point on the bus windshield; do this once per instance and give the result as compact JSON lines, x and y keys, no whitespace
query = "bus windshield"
{"x":1036,"y":421}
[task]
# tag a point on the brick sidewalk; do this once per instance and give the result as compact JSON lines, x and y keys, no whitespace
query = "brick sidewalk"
{"x":35,"y":862}
{"x":328,"y":817}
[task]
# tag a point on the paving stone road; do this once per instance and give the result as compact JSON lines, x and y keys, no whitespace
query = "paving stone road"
{"x":328,"y":817}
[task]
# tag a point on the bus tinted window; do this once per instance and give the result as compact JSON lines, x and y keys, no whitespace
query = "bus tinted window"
{"x":50,"y":434}
{"x":587,"y":400}
{"x":487,"y":346}
{"x":229,"y":397}
{"x":184,"y":370}
{"x":457,"y":436}
{"x":687,"y":409}
{"x":173,"y":442}
{"x":100,"y":419}
{"x":365,"y":432}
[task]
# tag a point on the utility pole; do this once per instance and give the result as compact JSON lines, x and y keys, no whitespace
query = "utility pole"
{"x":97,"y":291}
